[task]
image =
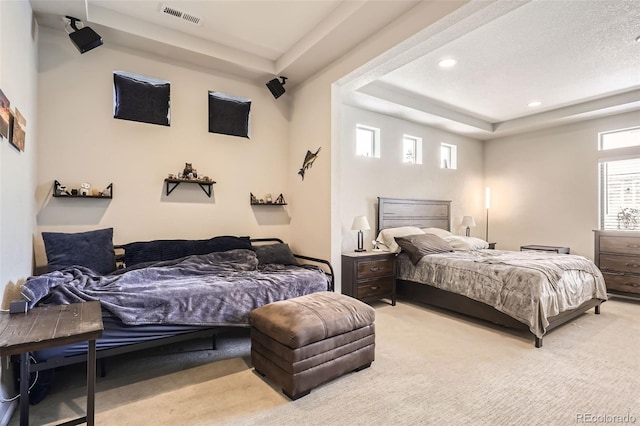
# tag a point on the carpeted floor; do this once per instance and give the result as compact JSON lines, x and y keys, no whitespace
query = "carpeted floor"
{"x":431,"y":367}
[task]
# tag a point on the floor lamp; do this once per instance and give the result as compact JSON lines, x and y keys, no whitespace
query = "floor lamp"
{"x":487,"y":204}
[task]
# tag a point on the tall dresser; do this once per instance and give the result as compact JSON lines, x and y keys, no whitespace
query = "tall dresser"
{"x":617,"y":254}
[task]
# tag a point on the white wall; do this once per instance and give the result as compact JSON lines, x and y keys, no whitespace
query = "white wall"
{"x":18,"y":68}
{"x":84,"y":143}
{"x":364,"y":179}
{"x":545,"y":185}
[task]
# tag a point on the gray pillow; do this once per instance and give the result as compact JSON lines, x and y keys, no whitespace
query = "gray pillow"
{"x":275,"y":253}
{"x":418,"y":246}
{"x":92,"y":249}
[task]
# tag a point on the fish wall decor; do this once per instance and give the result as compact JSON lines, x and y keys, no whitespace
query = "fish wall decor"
{"x":308,"y":161}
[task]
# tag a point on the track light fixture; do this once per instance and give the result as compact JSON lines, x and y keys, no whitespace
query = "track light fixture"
{"x":84,"y":38}
{"x":276,"y":87}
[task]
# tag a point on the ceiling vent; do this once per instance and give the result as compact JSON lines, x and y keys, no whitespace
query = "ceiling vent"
{"x":177,"y":13}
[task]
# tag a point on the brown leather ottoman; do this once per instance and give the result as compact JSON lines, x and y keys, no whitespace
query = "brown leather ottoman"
{"x":303,"y":342}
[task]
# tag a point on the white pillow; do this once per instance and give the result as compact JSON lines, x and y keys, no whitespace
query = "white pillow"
{"x":466,"y":243}
{"x":387,"y":236}
{"x":437,"y":231}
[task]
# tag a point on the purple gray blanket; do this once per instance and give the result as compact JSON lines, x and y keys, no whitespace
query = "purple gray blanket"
{"x":212,"y":289}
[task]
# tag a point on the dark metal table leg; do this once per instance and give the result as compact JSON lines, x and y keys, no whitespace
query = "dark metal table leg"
{"x":91,"y":382}
{"x":24,"y":389}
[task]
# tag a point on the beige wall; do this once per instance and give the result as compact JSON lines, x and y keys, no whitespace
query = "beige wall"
{"x":364,"y":179}
{"x":545,"y":185}
{"x":84,"y":143}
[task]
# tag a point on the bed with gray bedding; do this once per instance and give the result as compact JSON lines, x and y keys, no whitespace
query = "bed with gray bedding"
{"x":524,"y":290}
{"x":530,"y":287}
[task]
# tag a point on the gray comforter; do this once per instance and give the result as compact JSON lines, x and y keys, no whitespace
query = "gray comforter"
{"x":528,"y":286}
{"x":212,"y":289}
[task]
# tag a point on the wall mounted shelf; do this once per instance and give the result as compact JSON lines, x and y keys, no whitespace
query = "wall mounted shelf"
{"x":254,"y":201}
{"x":206,"y":185}
{"x":58,"y":192}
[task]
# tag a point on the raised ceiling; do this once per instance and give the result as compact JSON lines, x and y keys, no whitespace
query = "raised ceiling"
{"x":579,"y":59}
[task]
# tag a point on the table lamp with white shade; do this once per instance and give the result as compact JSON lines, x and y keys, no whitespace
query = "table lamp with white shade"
{"x":360,"y":223}
{"x":468,"y":221}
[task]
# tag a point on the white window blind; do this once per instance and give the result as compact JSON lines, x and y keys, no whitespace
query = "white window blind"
{"x":620,"y":194}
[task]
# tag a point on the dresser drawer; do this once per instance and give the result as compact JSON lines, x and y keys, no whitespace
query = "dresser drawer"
{"x":609,"y":262}
{"x":618,"y":244}
{"x":375,"y":268}
{"x":623,"y":283}
{"x":375,"y":288}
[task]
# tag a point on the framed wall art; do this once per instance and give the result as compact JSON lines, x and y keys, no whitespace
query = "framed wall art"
{"x":18,"y":130}
{"x":5,"y":115}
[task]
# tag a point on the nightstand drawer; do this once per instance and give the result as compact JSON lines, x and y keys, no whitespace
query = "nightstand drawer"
{"x":375,"y":288}
{"x":375,"y":268}
{"x":620,"y":263}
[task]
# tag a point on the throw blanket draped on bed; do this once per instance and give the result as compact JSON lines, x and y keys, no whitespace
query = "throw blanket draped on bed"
{"x":528,"y":286}
{"x":212,"y":289}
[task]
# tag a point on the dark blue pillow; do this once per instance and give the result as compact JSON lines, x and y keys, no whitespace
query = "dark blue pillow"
{"x":92,"y":249}
{"x":160,"y":250}
{"x":275,"y":253}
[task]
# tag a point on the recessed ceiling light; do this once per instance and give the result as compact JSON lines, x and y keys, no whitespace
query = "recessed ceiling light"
{"x":534,"y":103}
{"x":447,"y":62}
{"x":638,"y":39}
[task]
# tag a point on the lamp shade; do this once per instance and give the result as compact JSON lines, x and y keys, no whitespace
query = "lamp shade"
{"x":360,"y":223}
{"x":468,"y":221}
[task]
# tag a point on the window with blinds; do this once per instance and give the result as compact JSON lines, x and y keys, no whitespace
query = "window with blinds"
{"x":620,"y":182}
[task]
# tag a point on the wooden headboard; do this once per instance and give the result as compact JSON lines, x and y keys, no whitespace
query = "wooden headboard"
{"x":394,"y":212}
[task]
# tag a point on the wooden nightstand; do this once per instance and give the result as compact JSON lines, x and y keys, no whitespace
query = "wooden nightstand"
{"x":369,"y":275}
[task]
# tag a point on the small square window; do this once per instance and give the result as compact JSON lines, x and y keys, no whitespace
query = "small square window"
{"x":411,"y":150}
{"x":448,"y":156}
{"x":367,"y":141}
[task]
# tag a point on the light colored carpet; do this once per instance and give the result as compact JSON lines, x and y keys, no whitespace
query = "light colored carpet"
{"x":431,"y":367}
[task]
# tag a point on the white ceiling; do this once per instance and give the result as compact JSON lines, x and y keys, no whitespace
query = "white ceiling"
{"x":578,"y":58}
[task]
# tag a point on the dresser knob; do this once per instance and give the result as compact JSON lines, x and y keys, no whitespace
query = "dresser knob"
{"x":374,"y":269}
{"x":633,"y":245}
{"x":632,"y":265}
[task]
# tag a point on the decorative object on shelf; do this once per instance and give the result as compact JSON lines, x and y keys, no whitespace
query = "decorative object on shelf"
{"x":5,"y":115}
{"x":130,"y":89}
{"x":376,"y":245}
{"x":229,"y":114}
{"x":85,"y":187}
{"x":267,"y":200}
{"x":205,"y":184}
{"x":360,"y":223}
{"x":84,"y":191}
{"x":468,"y":221}
{"x":187,"y":172}
{"x":309,"y":159}
{"x":628,"y":218}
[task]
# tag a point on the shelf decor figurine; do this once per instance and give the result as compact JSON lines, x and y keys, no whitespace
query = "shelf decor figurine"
{"x":280,"y":200}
